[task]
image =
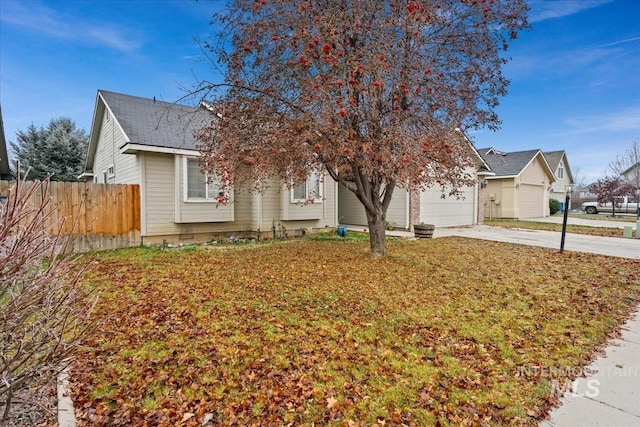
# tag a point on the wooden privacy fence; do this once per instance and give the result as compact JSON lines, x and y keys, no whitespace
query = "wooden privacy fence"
{"x":97,"y":216}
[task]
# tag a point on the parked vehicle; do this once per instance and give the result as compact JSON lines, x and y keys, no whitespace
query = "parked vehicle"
{"x":623,"y":205}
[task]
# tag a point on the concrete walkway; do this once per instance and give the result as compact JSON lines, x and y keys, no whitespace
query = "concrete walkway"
{"x":608,"y":393}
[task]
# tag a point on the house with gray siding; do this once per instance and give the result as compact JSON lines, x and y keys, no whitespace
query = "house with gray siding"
{"x":148,"y":142}
{"x":428,"y":206}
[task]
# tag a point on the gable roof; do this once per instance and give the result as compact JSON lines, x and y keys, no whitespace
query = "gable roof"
{"x":554,"y":158}
{"x":511,"y":164}
{"x":5,"y":171}
{"x":147,"y":124}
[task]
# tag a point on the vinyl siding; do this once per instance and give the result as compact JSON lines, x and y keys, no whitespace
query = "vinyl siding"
{"x":274,"y":208}
{"x":351,"y":211}
{"x":504,"y":204}
{"x":159,"y":194}
{"x":534,"y":173}
{"x":193,"y":211}
{"x":315,"y":215}
{"x":269,"y":207}
{"x":559,"y":188}
{"x":160,"y":199}
{"x":110,"y":139}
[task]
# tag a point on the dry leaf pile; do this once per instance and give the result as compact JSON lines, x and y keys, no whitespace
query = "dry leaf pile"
{"x":443,"y":331}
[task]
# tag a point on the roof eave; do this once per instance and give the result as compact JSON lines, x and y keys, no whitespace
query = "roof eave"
{"x":132,"y":148}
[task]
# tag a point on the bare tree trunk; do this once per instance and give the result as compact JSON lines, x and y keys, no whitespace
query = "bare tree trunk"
{"x":377,"y":236}
{"x":375,"y":199}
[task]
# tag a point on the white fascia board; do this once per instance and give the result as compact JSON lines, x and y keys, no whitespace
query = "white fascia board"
{"x":502,"y":176}
{"x":129,"y":148}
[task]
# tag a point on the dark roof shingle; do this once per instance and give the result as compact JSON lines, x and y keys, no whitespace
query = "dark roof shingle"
{"x":157,"y":123}
{"x":507,"y":164}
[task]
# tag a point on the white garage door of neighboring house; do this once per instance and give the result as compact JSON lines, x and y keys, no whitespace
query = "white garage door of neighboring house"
{"x":447,"y":212}
{"x":531,"y":201}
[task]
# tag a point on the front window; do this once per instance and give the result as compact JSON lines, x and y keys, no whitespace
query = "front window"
{"x":560,"y":173}
{"x":309,"y":191}
{"x":197,"y":186}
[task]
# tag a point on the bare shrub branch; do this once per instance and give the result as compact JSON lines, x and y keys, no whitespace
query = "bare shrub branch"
{"x":43,"y":311}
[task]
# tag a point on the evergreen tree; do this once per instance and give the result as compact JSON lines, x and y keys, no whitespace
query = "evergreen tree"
{"x":57,"y":150}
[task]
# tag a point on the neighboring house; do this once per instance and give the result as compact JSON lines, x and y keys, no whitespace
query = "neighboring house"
{"x":521,"y":185}
{"x":147,"y":142}
{"x":632,"y":175}
{"x":559,"y":164}
{"x":583,"y":192}
{"x":5,"y":171}
{"x":408,"y":208}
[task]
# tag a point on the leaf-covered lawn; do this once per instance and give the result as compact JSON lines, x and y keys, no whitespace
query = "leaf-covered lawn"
{"x":571,"y":228}
{"x":445,"y":331}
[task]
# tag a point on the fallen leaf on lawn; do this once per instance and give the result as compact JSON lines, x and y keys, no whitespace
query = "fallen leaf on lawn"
{"x":207,"y":417}
{"x":331,"y":402}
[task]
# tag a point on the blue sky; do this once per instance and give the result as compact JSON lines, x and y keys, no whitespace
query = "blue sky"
{"x":575,"y":75}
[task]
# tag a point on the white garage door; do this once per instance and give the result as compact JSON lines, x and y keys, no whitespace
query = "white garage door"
{"x":447,"y":212}
{"x":531,"y":201}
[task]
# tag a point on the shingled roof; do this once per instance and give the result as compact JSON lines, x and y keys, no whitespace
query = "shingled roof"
{"x":507,"y":163}
{"x":147,"y":124}
{"x":156,"y":123}
{"x":554,"y":158}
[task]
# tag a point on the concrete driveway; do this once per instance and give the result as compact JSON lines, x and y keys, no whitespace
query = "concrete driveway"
{"x":611,"y":246}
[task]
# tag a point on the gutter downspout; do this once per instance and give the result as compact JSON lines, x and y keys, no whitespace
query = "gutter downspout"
{"x":476,"y":202}
{"x":408,"y":210}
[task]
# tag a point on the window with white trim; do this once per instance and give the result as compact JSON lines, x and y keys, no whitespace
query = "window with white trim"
{"x":560,"y":172}
{"x":309,"y":191}
{"x":197,"y":186}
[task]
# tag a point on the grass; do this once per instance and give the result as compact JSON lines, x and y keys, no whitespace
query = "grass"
{"x":314,"y":332}
{"x":571,"y":228}
{"x":604,"y":217}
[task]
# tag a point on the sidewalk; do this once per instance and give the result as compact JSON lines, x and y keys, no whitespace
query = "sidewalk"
{"x":610,"y":394}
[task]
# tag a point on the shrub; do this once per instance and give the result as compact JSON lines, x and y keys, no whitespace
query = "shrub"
{"x":43,"y":313}
{"x":554,"y":206}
